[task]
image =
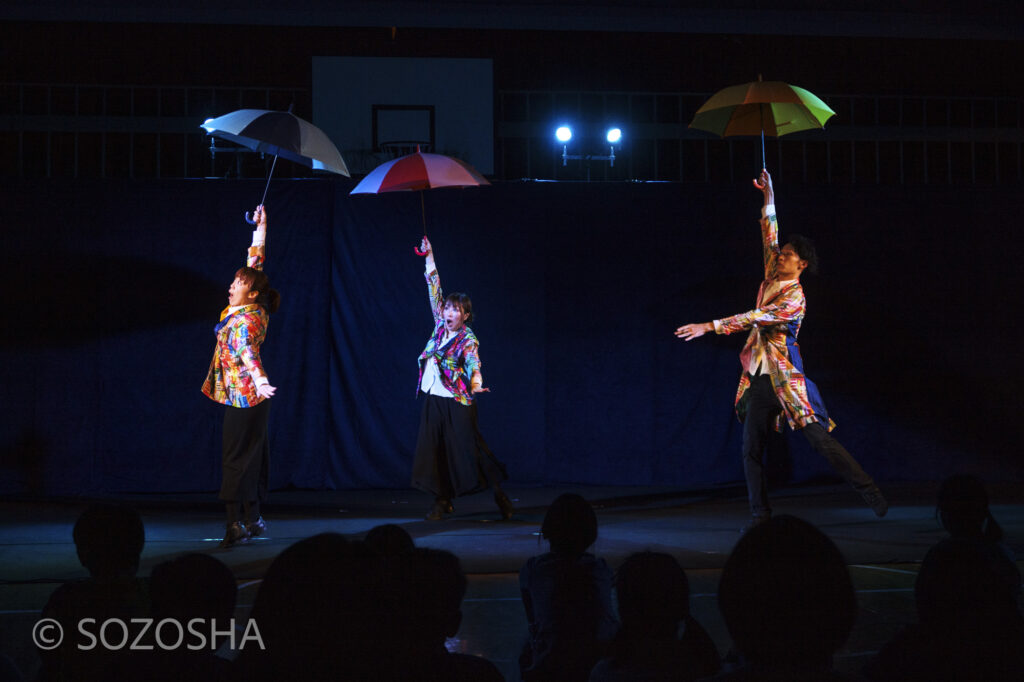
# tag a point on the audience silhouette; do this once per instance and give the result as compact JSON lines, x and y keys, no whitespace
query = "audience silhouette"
{"x":389,"y":539}
{"x":383,"y":609}
{"x":198,"y":592}
{"x":424,"y":601}
{"x":658,"y":640}
{"x":313,"y":611}
{"x":567,"y":596}
{"x":968,"y":601}
{"x":788,"y":602}
{"x":8,"y":670}
{"x":109,"y":540}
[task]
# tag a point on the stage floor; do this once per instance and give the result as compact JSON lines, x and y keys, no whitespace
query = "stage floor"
{"x":698,"y":527}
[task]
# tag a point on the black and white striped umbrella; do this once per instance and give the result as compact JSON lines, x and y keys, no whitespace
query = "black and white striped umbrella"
{"x":280,"y":133}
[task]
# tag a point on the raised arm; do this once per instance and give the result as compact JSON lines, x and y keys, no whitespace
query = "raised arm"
{"x":433,"y":279}
{"x":249,"y":353}
{"x":258,"y":251}
{"x":770,"y":239}
{"x":769,"y":224}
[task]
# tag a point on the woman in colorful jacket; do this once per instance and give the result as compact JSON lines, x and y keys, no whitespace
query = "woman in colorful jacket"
{"x":236,"y":378}
{"x":452,"y":457}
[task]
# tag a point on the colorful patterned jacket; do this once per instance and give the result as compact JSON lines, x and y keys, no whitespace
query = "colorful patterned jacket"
{"x":459,"y":360}
{"x":776,"y":321}
{"x":236,"y":357}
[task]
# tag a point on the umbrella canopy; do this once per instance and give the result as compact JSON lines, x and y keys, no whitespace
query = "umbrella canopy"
{"x":280,"y":133}
{"x":761,"y":108}
{"x":773,"y":107}
{"x":419,"y":171}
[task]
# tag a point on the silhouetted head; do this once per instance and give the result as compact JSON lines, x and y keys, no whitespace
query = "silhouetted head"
{"x":784,"y":589}
{"x":435,"y":588}
{"x":109,"y":539}
{"x":389,"y":539}
{"x":570,"y":524}
{"x":318,"y":611}
{"x":653,"y":594}
{"x":967,"y":586}
{"x":193,"y":586}
{"x":311,"y":589}
{"x":962,"y":507}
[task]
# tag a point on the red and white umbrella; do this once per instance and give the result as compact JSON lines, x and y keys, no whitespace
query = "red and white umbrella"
{"x":420,"y":171}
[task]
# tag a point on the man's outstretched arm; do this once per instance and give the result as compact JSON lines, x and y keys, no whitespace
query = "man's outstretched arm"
{"x":689,"y":332}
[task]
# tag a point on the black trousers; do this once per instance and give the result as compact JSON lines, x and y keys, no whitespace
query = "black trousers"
{"x":452,"y":458}
{"x":762,"y":409}
{"x":246,"y":455}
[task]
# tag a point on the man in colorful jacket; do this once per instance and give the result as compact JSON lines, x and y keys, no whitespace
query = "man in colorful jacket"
{"x":773,"y":384}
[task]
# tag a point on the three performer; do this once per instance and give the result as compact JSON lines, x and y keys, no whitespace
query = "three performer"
{"x":773,"y":385}
{"x":451,"y":456}
{"x":236,"y":379}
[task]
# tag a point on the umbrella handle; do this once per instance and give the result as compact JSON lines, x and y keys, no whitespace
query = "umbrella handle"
{"x":417,"y":251}
{"x":248,"y":214}
{"x":423,"y":217}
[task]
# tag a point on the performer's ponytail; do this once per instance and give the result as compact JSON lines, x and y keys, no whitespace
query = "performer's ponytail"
{"x":269,"y":299}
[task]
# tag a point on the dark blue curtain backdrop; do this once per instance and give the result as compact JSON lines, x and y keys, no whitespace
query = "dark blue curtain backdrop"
{"x":111,"y":290}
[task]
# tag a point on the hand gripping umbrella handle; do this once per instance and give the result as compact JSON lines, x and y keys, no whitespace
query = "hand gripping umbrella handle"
{"x":248,"y":218}
{"x":416,"y":249}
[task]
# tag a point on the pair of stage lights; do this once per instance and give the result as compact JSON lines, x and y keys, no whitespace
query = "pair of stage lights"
{"x":564,"y":133}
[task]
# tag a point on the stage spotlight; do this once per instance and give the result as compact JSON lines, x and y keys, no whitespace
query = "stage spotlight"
{"x":564,"y":134}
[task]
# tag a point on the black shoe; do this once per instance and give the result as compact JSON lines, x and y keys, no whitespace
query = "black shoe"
{"x":236,"y":534}
{"x":756,"y":520}
{"x":440,"y":509}
{"x":874,"y":498}
{"x":256,"y":528}
{"x":504,"y":504}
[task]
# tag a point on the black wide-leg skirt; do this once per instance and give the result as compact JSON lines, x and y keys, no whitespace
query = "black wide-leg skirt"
{"x":452,"y":458}
{"x":246,"y":458}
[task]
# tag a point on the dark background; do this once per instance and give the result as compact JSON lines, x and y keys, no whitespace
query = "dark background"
{"x":113,"y":285}
{"x":577,"y":289}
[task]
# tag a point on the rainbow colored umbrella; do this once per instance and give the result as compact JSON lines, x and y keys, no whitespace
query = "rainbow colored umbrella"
{"x":761,"y":108}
